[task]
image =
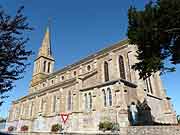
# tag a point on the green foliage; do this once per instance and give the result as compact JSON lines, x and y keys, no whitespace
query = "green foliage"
{"x":56,"y":128}
{"x":24,"y":128}
{"x":156,"y":32}
{"x":11,"y":128}
{"x":115,"y":127}
{"x":106,"y":125}
{"x":178,"y":119}
{"x":2,"y":120}
{"x":13,"y":52}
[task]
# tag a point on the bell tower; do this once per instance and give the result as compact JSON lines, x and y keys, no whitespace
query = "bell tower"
{"x":44,"y":63}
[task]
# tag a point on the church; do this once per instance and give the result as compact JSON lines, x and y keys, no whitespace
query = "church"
{"x":100,"y":87}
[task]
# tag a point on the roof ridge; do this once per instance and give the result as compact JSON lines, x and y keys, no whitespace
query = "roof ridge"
{"x":122,"y":42}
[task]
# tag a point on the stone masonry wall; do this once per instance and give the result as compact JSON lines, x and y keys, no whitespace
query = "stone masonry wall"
{"x":154,"y":130}
{"x":135,"y":130}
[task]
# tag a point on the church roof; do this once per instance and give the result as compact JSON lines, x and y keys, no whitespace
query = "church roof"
{"x":101,"y":52}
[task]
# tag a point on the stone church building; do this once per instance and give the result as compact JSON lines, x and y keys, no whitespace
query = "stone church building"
{"x":100,"y":87}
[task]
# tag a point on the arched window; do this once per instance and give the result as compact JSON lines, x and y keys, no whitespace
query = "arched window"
{"x":27,"y":109}
{"x":57,"y":104}
{"x":32,"y":108}
{"x":42,"y":104}
{"x":44,"y":66}
{"x":69,"y":101}
{"x":147,"y":85}
{"x":150,"y":85}
{"x":52,"y":81}
{"x":54,"y":103}
{"x":106,"y":71}
{"x":49,"y":67}
{"x":121,"y":68}
{"x":90,"y":101}
{"x":74,"y":73}
{"x":88,"y":68}
{"x":110,"y":96}
{"x":37,"y":67}
{"x":104,"y":95}
{"x":86,"y":101}
{"x":22,"y":109}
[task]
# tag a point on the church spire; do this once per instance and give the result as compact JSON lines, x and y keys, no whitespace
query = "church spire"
{"x":44,"y":63}
{"x":45,"y":49}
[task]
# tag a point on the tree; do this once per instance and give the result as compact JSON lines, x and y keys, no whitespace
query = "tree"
{"x":156,"y":32}
{"x":13,"y":52}
{"x":178,"y":119}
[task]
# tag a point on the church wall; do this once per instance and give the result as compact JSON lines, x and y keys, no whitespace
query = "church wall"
{"x":155,"y":105}
{"x":90,"y":81}
{"x":69,"y":86}
{"x":90,"y":117}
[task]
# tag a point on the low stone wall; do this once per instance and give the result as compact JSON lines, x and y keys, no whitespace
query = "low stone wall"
{"x":41,"y":133}
{"x":134,"y":130}
{"x":154,"y":130}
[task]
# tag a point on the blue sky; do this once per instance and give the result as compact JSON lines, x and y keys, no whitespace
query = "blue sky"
{"x":78,"y":28}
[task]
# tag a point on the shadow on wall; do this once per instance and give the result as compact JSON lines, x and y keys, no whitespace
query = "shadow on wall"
{"x":140,"y":114}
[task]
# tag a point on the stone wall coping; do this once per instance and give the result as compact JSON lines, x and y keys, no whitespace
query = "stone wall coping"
{"x":128,"y":83}
{"x":73,"y":80}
